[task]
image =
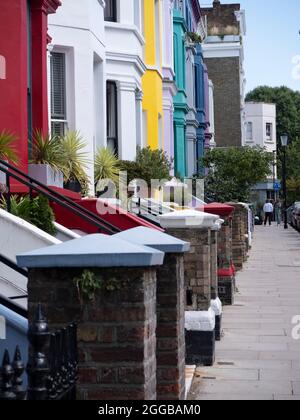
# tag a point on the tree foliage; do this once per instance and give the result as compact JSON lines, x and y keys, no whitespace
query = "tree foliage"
{"x":293,"y":189}
{"x":150,"y":164}
{"x":288,"y":107}
{"x":234,"y":171}
{"x":292,"y":170}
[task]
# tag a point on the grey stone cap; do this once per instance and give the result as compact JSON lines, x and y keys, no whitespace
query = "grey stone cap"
{"x":92,"y":251}
{"x":188,"y":219}
{"x":218,"y":225}
{"x":154,"y":239}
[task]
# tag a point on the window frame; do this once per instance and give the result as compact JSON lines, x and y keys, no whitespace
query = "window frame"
{"x":269,"y":137}
{"x":114,"y":139}
{"x":113,"y":17}
{"x":249,"y":124}
{"x":55,"y":118}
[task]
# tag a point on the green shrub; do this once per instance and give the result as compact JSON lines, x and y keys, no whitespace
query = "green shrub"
{"x":41,"y":214}
{"x":150,"y":164}
{"x":36,"y":211}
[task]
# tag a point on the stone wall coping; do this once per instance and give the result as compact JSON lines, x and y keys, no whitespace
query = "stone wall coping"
{"x":218,"y":225}
{"x":239,"y":204}
{"x":154,"y":239}
{"x":223,"y":210}
{"x":200,"y":320}
{"x":92,"y":251}
{"x":188,"y":219}
{"x":216,"y":306}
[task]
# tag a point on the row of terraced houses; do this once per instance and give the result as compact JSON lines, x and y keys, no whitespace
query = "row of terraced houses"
{"x":160,"y":73}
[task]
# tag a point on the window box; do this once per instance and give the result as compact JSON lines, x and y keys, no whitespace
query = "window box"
{"x":46,"y":175}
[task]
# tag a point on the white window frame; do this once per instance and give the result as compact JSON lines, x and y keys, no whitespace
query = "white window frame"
{"x":269,"y":137}
{"x":249,"y":137}
{"x":69,"y":120}
{"x":54,"y":120}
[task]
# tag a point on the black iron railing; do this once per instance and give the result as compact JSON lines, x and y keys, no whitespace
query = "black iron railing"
{"x":52,"y":195}
{"x":52,"y":368}
{"x":9,"y":302}
{"x":13,"y":266}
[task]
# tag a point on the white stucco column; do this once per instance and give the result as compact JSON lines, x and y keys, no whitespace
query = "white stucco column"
{"x":139,"y":117}
{"x":126,"y":11}
{"x":84,"y":102}
{"x":127,"y":120}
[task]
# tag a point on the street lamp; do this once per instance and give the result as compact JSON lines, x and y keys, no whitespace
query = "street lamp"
{"x":284,"y":143}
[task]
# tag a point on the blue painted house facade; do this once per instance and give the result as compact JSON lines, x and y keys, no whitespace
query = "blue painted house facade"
{"x":190,"y":119}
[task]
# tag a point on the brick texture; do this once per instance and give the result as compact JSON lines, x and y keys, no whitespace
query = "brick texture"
{"x":225,"y":75}
{"x":239,"y":232}
{"x":197,"y":268}
{"x":214,"y":264}
{"x":225,"y":245}
{"x":116,"y":332}
{"x":170,"y":329}
{"x":221,"y":19}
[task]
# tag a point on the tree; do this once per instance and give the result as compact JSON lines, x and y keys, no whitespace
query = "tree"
{"x":292,"y":170}
{"x":293,"y":189}
{"x":292,"y":159}
{"x":288,"y":108}
{"x":150,"y":164}
{"x":234,"y":171}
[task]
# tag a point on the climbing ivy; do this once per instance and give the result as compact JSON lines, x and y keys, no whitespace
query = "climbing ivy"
{"x":89,"y":282}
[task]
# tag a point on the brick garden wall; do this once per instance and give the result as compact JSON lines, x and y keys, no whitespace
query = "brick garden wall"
{"x":170,"y":329}
{"x":116,"y":335}
{"x":197,"y":266}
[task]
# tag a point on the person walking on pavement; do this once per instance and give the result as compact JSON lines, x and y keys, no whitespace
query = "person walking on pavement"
{"x":268,"y":210}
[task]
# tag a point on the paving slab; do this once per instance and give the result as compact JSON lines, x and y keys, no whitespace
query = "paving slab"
{"x":296,"y":387}
{"x":232,"y":397}
{"x":258,"y":357}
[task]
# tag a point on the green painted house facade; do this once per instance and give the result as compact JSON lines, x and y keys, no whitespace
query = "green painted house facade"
{"x":180,"y":100}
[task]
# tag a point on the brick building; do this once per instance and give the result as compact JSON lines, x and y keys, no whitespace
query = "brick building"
{"x":224,"y":57}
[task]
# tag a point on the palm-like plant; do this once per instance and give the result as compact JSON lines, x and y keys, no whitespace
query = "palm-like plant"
{"x":7,"y":148}
{"x":107,"y":165}
{"x":74,"y":157}
{"x":46,"y":150}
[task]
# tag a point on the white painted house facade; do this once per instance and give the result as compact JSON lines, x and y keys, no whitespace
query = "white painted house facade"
{"x":261,"y":131}
{"x":95,"y":71}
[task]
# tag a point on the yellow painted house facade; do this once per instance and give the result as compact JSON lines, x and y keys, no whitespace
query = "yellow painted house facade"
{"x":153,"y":79}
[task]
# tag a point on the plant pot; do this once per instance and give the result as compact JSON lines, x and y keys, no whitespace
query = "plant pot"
{"x":46,"y":175}
{"x":73,"y":186}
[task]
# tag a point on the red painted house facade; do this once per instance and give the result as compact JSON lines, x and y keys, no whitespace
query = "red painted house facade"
{"x":23,"y":69}
{"x":24,"y":98}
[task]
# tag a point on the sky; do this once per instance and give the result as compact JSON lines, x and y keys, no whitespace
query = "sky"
{"x":272,"y":43}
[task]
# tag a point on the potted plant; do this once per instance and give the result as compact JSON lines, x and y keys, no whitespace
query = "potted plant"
{"x":7,"y":151}
{"x":194,"y":37}
{"x":72,"y":148}
{"x":47,"y":162}
{"x":107,"y":166}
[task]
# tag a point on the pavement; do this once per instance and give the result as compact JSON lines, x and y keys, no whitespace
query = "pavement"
{"x":259,"y":356}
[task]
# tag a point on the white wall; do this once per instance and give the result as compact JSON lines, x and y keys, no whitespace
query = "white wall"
{"x":18,"y":236}
{"x":260,"y":114}
{"x":125,"y":66}
{"x":98,"y":51}
{"x":78,"y":30}
{"x":211,"y":113}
